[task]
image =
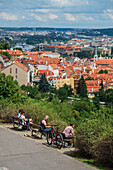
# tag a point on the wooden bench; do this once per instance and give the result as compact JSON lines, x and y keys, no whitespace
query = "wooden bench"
{"x":66,"y":141}
{"x":37,"y":129}
{"x":17,"y":123}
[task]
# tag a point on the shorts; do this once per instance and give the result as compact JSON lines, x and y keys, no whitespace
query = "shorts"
{"x":69,"y":137}
{"x":27,"y":122}
{"x":47,"y":130}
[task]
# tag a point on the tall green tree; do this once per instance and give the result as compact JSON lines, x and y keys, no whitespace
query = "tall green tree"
{"x":82,"y":89}
{"x":101,"y":93}
{"x":62,"y":94}
{"x":96,"y":102}
{"x":44,"y":86}
{"x":69,"y":89}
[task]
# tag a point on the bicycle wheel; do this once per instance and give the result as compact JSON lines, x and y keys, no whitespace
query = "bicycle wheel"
{"x":49,"y":137}
{"x":59,"y":141}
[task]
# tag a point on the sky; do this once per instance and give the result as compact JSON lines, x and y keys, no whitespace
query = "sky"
{"x":57,"y":13}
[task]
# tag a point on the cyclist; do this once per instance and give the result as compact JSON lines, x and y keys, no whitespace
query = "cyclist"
{"x":44,"y":126}
{"x":68,"y":132}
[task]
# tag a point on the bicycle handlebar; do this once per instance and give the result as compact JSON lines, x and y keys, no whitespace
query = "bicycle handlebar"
{"x":54,"y":125}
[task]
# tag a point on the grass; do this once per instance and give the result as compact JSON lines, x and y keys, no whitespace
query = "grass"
{"x":77,"y":155}
{"x":2,"y":121}
{"x":90,"y":162}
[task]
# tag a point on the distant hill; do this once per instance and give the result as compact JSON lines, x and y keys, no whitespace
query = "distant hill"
{"x":80,"y":31}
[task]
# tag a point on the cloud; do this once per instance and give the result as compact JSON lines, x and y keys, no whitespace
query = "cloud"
{"x":69,"y":17}
{"x":53,"y":16}
{"x":108,"y":13}
{"x":87,"y":18}
{"x":69,"y":2}
{"x":39,"y":10}
{"x":7,"y":16}
{"x":23,"y":17}
{"x":37,"y":17}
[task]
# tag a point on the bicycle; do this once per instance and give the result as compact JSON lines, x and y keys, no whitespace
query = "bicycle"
{"x":55,"y":137}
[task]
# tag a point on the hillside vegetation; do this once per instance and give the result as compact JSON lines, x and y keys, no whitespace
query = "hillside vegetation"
{"x":93,"y":125}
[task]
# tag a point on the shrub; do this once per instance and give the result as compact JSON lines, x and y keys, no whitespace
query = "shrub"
{"x":103,"y":150}
{"x":95,"y":138}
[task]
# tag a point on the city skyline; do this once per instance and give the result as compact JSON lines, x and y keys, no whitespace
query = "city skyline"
{"x":57,"y":13}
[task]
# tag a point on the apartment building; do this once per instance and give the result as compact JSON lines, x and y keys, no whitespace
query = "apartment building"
{"x":19,"y":71}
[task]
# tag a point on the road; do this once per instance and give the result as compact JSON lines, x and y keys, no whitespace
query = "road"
{"x":21,"y":153}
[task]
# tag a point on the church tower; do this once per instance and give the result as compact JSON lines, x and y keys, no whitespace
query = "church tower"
{"x":95,"y":56}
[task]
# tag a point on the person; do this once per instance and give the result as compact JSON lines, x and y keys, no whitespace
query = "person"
{"x":25,"y":120}
{"x":44,"y":126}
{"x":19,"y":114}
{"x":69,"y":134}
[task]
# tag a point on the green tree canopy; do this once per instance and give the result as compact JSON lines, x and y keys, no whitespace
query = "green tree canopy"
{"x":44,"y":86}
{"x":103,"y":72}
{"x":82,"y":89}
{"x":9,"y":88}
{"x":4,"y":45}
{"x":6,"y":54}
{"x":62,"y":94}
{"x":89,"y":78}
{"x":68,"y":89}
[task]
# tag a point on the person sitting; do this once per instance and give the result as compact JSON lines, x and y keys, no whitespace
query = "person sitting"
{"x":25,"y":120}
{"x":44,"y":126}
{"x":68,"y":133}
{"x":19,"y":114}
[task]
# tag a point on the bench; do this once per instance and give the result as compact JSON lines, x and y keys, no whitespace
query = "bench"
{"x":66,"y":142}
{"x":37,"y":129}
{"x":17,"y":123}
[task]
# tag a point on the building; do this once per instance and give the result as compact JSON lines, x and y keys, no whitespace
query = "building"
{"x":19,"y":71}
{"x":60,"y":82}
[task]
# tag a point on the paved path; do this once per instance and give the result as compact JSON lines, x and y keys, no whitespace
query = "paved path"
{"x":20,"y":153}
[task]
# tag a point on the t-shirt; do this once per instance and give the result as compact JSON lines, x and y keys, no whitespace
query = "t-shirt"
{"x":22,"y":117}
{"x":43,"y":124}
{"x":68,"y":130}
{"x":19,"y":115}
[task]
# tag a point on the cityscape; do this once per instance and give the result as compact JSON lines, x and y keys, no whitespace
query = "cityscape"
{"x":56,"y":84}
{"x":64,"y":58}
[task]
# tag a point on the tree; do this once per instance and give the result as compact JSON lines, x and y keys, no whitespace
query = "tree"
{"x":17,"y":48}
{"x":101,"y":93}
{"x":82,"y":89}
{"x":96,"y":102}
{"x":44,"y":86}
{"x":109,"y":96}
{"x":105,"y":71}
{"x":89,"y":78}
{"x":6,"y":54}
{"x":68,"y":89}
{"x":62,"y":94}
{"x":4,"y":45}
{"x":101,"y":71}
{"x":9,"y":88}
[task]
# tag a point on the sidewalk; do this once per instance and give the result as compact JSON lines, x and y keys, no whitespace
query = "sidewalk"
{"x":19,"y":153}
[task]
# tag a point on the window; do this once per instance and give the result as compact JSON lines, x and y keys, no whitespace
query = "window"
{"x":16,"y":77}
{"x":10,"y":70}
{"x":58,"y":85}
{"x":16,"y":70}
